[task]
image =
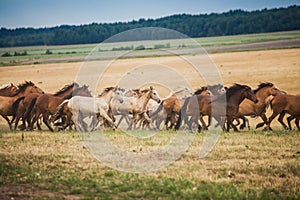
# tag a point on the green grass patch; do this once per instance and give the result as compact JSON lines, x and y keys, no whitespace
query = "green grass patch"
{"x":242,"y":165}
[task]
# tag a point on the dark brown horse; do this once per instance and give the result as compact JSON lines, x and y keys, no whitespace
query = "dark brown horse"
{"x":249,"y":108}
{"x":283,"y":104}
{"x":8,"y":90}
{"x":6,"y":103}
{"x":22,"y":104}
{"x":225,"y":105}
{"x":47,"y":104}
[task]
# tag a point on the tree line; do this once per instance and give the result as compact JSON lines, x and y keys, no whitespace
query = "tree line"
{"x":232,"y":22}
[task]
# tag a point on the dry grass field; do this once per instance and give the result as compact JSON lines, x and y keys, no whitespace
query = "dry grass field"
{"x":246,"y":165}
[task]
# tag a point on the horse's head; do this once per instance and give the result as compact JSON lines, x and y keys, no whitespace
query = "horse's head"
{"x":30,"y":87}
{"x":274,"y":91}
{"x":154,"y":95}
{"x":12,"y":88}
{"x":118,"y":93}
{"x":82,"y":91}
{"x":249,"y":94}
{"x":267,"y":89}
{"x":217,"y":89}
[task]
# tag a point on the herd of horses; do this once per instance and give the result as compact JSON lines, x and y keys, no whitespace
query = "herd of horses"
{"x":74,"y":106}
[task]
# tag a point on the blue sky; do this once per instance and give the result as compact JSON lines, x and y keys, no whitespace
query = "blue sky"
{"x":49,"y":13}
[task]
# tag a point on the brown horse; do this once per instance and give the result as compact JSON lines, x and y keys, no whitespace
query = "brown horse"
{"x":171,"y":108}
{"x":199,"y":105}
{"x":6,"y":103}
{"x":249,"y":108}
{"x":47,"y":104}
{"x":8,"y":90}
{"x":282,"y":104}
{"x":22,"y":104}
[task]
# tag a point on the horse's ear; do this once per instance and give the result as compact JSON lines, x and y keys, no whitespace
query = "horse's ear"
{"x":151,"y":88}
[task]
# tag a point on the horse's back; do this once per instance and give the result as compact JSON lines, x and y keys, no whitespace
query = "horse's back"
{"x":287,"y":102}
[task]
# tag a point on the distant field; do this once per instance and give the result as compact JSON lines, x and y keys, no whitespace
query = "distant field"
{"x":71,"y":53}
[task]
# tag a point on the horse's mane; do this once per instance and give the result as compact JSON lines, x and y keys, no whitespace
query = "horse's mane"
{"x":234,"y":89}
{"x":6,"y":86}
{"x":106,"y":90}
{"x":200,"y":90}
{"x":262,"y":85}
{"x":65,"y":88}
{"x":23,"y":86}
{"x":84,"y":87}
{"x":144,"y":90}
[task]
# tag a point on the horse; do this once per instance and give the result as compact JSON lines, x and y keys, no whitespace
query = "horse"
{"x":249,"y":108}
{"x":283,"y":104}
{"x":137,"y":106}
{"x":80,"y":108}
{"x":46,"y":104}
{"x":8,"y":90}
{"x":22,"y":104}
{"x":199,"y":105}
{"x":6,"y":103}
{"x":171,"y":106}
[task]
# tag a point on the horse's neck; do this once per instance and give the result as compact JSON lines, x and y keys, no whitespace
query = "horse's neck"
{"x":107,"y":97}
{"x":143,"y":100}
{"x":262,"y":95}
{"x":236,"y":99}
{"x":67,"y":93}
{"x":23,"y":93}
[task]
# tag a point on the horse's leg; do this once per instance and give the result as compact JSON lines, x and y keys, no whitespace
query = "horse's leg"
{"x":46,"y":121}
{"x":8,"y":121}
{"x":297,"y":123}
{"x":271,"y":118}
{"x":264,"y":118}
{"x":17,"y":119}
{"x":280,"y":119}
{"x":230,"y":124}
{"x":203,"y":123}
{"x":289,"y":119}
{"x":104,"y":115}
{"x":243,"y":125}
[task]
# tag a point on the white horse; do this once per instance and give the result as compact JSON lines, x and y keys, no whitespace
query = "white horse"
{"x":80,"y":109}
{"x":135,"y":106}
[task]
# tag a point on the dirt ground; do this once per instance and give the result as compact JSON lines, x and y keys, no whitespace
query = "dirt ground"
{"x":281,"y":67}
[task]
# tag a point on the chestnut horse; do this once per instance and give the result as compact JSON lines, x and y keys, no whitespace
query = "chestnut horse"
{"x":282,"y":104}
{"x":47,"y":104}
{"x":22,"y":104}
{"x":8,"y":90}
{"x":170,"y":107}
{"x":249,"y":108}
{"x":6,"y":103}
{"x":199,"y":105}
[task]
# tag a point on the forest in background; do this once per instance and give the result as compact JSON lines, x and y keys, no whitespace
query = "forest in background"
{"x":233,"y":22}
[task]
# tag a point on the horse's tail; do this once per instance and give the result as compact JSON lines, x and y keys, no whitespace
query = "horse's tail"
{"x":59,"y":110}
{"x":15,"y":107}
{"x":160,"y":107}
{"x":182,"y":111}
